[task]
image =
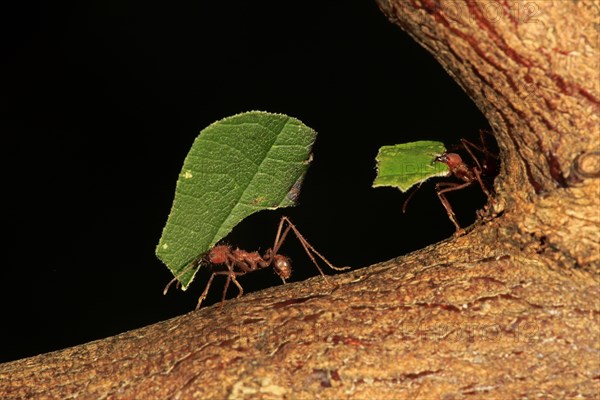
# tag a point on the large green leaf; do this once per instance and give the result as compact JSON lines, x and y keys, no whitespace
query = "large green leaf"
{"x":407,"y":164}
{"x":236,"y":167}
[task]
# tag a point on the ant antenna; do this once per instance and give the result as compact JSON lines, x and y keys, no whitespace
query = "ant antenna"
{"x":194,"y":264}
{"x":412,"y":193}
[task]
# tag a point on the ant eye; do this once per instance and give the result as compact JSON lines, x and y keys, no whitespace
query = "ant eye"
{"x":441,"y":158}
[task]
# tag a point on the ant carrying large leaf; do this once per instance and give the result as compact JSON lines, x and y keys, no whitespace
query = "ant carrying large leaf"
{"x":225,"y":260}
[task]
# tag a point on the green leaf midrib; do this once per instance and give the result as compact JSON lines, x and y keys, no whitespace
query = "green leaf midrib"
{"x":216,"y":236}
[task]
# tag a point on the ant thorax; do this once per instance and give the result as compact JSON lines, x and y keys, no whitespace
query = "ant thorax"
{"x":237,"y":260}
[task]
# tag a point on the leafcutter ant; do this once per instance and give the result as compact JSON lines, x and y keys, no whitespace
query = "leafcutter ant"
{"x":467,"y":175}
{"x":225,"y":260}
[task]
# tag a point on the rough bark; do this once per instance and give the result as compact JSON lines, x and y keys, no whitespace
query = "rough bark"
{"x":508,"y":310}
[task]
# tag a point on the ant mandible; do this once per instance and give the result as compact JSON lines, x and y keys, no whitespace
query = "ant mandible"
{"x":468,"y":175}
{"x":233,"y":263}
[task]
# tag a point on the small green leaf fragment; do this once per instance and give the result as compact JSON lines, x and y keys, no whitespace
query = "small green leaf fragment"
{"x":236,"y":167}
{"x":407,"y":164}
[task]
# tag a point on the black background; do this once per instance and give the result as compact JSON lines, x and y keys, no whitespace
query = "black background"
{"x":101,"y":101}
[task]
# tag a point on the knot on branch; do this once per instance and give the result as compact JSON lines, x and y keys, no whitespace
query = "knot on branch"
{"x":587,"y":165}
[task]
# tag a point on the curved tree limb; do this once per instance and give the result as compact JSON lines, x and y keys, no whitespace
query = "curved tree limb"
{"x":423,"y":326}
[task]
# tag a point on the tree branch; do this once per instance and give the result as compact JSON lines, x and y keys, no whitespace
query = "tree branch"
{"x":432,"y":324}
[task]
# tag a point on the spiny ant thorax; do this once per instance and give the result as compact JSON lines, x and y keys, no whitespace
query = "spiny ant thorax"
{"x":246,"y":261}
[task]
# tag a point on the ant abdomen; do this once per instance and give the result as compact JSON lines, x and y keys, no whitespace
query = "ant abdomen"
{"x":282,"y":266}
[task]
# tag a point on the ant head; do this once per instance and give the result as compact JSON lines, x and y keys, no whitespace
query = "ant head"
{"x":282,"y":266}
{"x":218,"y":254}
{"x":452,"y":160}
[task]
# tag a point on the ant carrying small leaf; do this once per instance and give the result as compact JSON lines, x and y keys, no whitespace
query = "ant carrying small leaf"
{"x":225,"y":260}
{"x":467,"y":175}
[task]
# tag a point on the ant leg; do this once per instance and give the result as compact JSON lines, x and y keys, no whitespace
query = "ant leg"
{"x":205,"y":292}
{"x":230,"y":278}
{"x":225,"y":289}
{"x":308,"y":248}
{"x":195,"y":263}
{"x":231,"y":274}
{"x":279,"y":238}
{"x":444,"y":187}
{"x":467,"y":145}
{"x":238,"y":285}
{"x":483,"y":188}
{"x":477,"y":170}
{"x":483,"y":149}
